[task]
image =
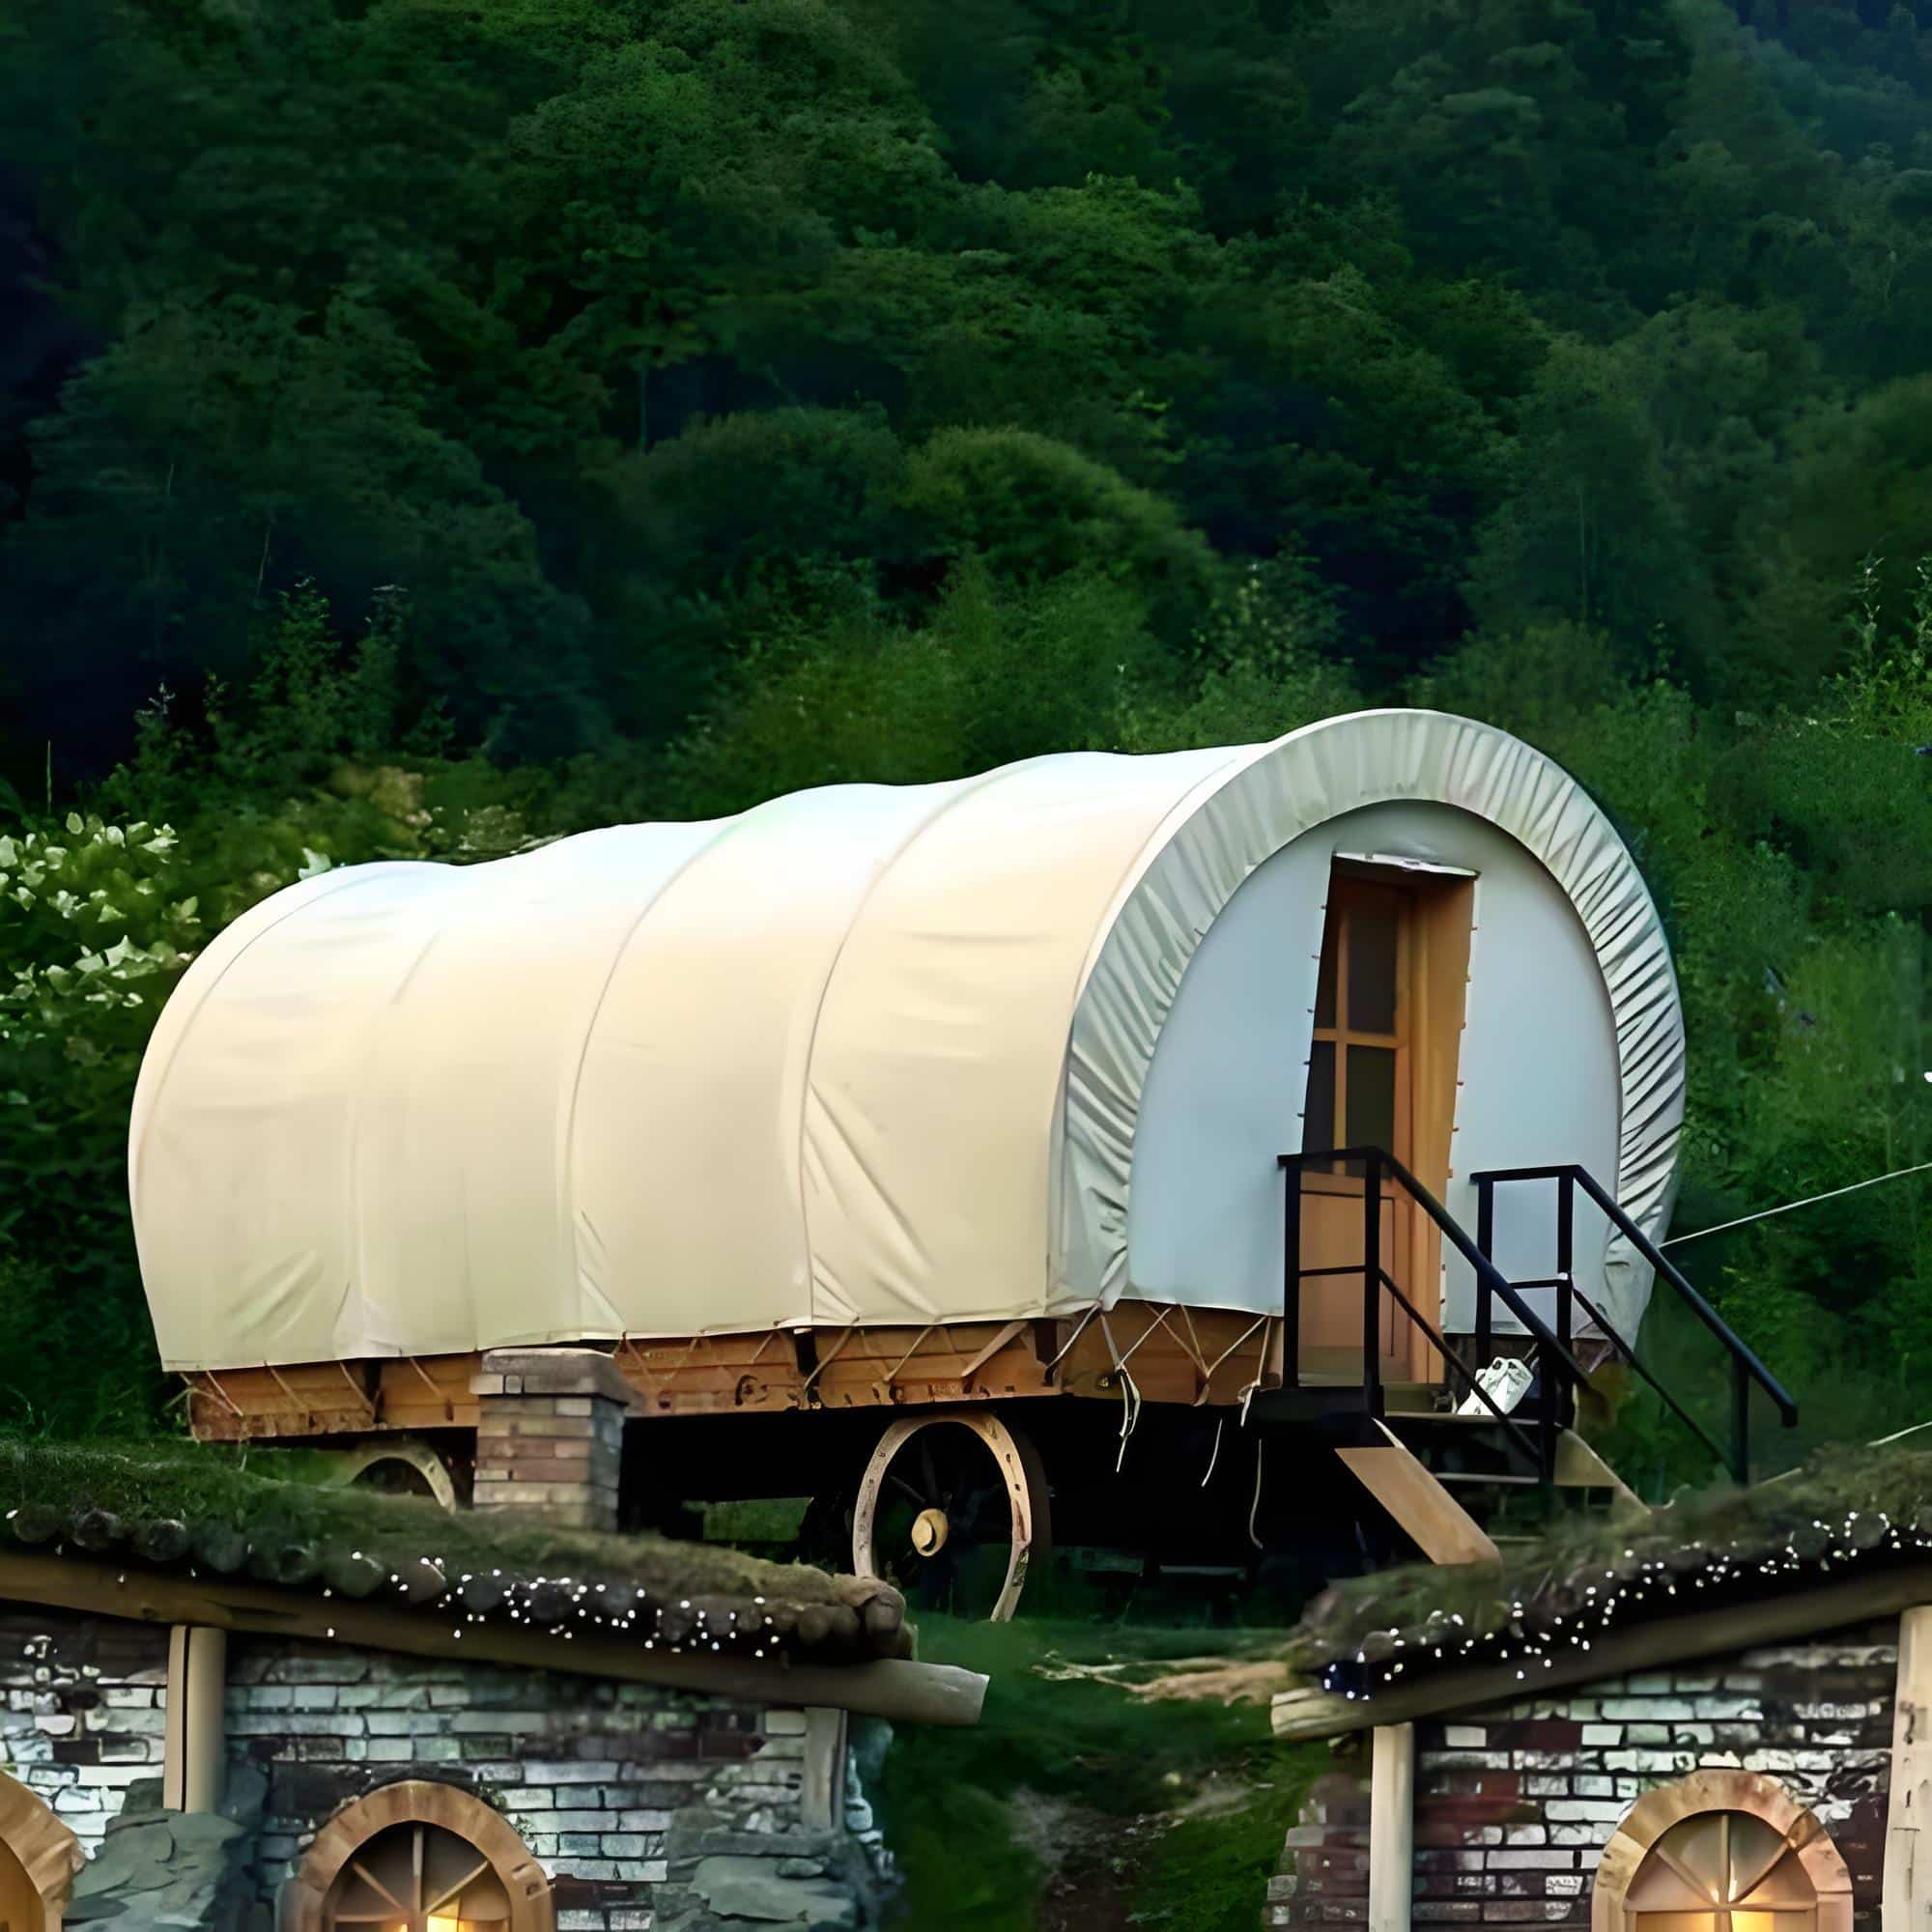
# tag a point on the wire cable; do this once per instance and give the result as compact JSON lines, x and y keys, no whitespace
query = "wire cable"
{"x":1792,"y":1206}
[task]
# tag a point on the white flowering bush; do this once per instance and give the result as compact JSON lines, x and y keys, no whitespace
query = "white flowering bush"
{"x":90,"y":926}
{"x":95,"y":926}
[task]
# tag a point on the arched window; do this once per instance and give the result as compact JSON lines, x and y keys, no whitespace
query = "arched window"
{"x":39,"y":1858}
{"x":417,"y":1856}
{"x":1722,"y":1851}
{"x":418,"y":1878}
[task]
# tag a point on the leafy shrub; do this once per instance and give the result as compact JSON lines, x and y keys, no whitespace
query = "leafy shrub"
{"x":1031,"y":509}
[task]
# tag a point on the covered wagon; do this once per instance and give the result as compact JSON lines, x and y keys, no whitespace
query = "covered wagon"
{"x":1224,"y":1093}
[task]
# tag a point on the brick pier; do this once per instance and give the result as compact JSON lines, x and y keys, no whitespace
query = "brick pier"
{"x":550,"y":1433}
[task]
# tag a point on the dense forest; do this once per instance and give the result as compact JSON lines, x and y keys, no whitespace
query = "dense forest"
{"x":427,"y":427}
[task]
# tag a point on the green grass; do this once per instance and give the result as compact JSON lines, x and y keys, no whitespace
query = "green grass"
{"x":1212,"y":1874}
{"x":283,"y":1496}
{"x":954,"y":1804}
{"x":1895,"y":1479}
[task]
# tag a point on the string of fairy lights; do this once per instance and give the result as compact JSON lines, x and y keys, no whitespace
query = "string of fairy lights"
{"x":564,"y":1608}
{"x":1540,"y":1625}
{"x":560,"y":1607}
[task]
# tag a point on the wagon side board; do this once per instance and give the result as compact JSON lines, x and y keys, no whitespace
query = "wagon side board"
{"x":1172,"y":1354}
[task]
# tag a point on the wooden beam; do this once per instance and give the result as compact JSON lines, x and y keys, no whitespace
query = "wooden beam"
{"x":1431,"y":1518}
{"x":1906,"y":1892}
{"x":1681,"y":1639}
{"x":891,"y":1366}
{"x":1391,"y":1827}
{"x":928,"y":1694}
{"x":174,"y":1722}
{"x":203,"y":1692}
{"x":822,"y":1796}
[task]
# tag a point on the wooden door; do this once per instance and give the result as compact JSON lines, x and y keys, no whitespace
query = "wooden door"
{"x":19,"y":1902}
{"x":1358,"y":1095}
{"x":1381,"y":1072}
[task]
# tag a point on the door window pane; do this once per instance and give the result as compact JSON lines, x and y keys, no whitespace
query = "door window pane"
{"x":1374,"y":922}
{"x":1371,"y":1097}
{"x":1317,"y":1125}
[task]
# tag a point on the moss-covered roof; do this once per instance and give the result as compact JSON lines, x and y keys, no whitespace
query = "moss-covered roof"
{"x":271,"y":1516}
{"x":1842,"y":1508}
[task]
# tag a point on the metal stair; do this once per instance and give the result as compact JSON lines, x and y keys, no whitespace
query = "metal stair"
{"x":1442,"y":1476}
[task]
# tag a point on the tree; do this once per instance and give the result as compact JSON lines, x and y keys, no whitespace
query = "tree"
{"x":1029,"y":510}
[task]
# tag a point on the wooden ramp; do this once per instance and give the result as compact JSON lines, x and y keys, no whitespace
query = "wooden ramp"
{"x":1429,"y":1512}
{"x":1404,"y":1486}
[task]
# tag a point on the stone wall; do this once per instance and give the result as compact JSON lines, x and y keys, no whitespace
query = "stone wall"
{"x":1516,"y":1803}
{"x":83,"y":1716}
{"x":648,"y":1808}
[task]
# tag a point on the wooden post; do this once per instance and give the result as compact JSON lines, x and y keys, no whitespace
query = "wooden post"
{"x":822,"y":1798}
{"x":1391,"y":1827}
{"x":195,"y":1755}
{"x":1907,"y":1892}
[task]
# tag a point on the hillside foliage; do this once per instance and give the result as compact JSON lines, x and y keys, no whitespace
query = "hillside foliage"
{"x":428,"y":428}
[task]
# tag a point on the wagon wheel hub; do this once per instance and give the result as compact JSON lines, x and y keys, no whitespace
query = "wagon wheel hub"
{"x":929,"y":1531}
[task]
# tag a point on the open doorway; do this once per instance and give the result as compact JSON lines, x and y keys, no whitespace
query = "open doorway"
{"x":1381,"y":1072}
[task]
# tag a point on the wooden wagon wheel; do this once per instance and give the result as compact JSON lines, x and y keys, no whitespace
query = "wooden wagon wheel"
{"x":942,"y":1487}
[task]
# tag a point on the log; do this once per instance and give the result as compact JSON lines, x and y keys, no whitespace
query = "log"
{"x":160,"y":1540}
{"x":97,"y":1530}
{"x":675,"y":1622}
{"x":842,"y":1626}
{"x":482,"y":1593}
{"x":289,"y":1563}
{"x":547,"y":1604}
{"x":37,"y":1523}
{"x":929,"y":1693}
{"x":422,"y":1581}
{"x":353,"y":1572}
{"x":883,"y":1619}
{"x":222,"y":1549}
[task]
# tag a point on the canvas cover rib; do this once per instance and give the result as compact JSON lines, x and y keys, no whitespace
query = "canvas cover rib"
{"x":861,"y":1054}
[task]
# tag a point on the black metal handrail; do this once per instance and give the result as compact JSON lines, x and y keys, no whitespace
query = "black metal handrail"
{"x":1541,"y":1454}
{"x":1569,"y":1175}
{"x":1559,"y":1374}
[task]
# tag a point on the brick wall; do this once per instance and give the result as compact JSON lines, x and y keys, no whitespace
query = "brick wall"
{"x":83,"y":1717}
{"x":634,"y":1798}
{"x":1516,"y":1803}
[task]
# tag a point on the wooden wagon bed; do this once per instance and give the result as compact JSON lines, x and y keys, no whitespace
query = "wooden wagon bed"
{"x":1191,"y":1357}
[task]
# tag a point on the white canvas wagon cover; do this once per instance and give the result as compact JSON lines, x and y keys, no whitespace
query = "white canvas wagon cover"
{"x":861,"y":1054}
